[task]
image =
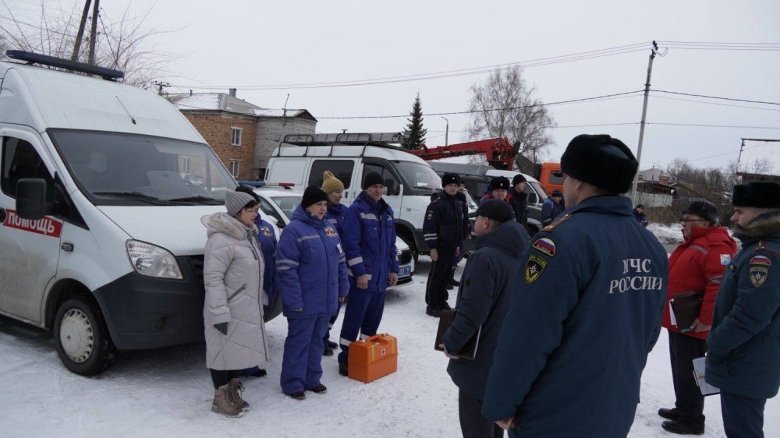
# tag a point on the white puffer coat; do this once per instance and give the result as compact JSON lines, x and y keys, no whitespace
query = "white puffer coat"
{"x":232,"y":273}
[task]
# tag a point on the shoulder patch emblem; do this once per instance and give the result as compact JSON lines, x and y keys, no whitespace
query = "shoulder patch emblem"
{"x":266,"y":231}
{"x":759,"y":270}
{"x":760,"y":261}
{"x":545,"y":245}
{"x":430,"y":215}
{"x":725,"y":259}
{"x":330,"y":232}
{"x":533,"y":268}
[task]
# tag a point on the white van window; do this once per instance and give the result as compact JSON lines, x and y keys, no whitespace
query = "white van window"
{"x":342,"y":169}
{"x":20,"y":160}
{"x":128,"y":169}
{"x":419,"y":175}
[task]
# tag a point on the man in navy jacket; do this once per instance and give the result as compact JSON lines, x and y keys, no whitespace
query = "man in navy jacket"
{"x":743,"y":358}
{"x":585,"y":311}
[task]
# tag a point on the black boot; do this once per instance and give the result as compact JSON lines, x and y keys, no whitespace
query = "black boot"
{"x":669,"y":414}
{"x":682,"y":428}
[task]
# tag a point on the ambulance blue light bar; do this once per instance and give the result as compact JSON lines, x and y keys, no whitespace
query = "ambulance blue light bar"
{"x":37,"y":58}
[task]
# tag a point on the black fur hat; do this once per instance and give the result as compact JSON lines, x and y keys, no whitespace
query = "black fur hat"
{"x":372,"y":179}
{"x":600,"y":160}
{"x":497,"y":210}
{"x":499,"y":182}
{"x":450,"y":178}
{"x":759,"y":194}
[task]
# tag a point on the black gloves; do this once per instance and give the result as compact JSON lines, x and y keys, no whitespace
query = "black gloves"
{"x":221,"y":327}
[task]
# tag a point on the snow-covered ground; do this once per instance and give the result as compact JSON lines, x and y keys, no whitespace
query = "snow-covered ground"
{"x":167,"y":393}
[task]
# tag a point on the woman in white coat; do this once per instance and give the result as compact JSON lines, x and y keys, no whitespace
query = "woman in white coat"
{"x":233,"y":307}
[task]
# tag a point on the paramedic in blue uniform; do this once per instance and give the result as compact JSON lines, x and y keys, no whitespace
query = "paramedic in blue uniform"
{"x":443,"y":231}
{"x":311,"y":275}
{"x":369,"y":241}
{"x":266,"y":240}
{"x":743,"y":349}
{"x":586,"y":308}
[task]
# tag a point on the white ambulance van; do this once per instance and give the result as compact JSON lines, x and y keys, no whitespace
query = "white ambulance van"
{"x":102,"y":190}
{"x":409,"y":180}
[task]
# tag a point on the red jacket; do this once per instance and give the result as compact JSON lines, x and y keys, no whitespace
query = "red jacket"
{"x":698,"y":265}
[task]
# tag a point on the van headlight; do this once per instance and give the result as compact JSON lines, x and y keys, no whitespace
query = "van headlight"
{"x":151,"y":260}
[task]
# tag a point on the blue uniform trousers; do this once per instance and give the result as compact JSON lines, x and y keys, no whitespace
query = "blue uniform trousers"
{"x":362,"y":315}
{"x":301,"y":363}
{"x":743,"y":417}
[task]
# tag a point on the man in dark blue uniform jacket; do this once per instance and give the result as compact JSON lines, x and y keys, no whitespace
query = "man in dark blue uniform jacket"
{"x":743,"y":358}
{"x":585,"y":311}
{"x":443,"y":229}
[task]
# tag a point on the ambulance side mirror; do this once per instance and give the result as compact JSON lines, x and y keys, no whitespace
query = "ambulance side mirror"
{"x":31,"y":198}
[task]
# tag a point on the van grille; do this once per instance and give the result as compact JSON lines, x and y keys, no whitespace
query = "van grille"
{"x":196,"y":264}
{"x":405,"y":257}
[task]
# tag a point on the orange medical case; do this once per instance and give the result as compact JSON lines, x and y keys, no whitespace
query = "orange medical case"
{"x":372,"y":358}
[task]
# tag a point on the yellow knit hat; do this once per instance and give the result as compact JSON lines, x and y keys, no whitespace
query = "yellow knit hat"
{"x":330,"y":183}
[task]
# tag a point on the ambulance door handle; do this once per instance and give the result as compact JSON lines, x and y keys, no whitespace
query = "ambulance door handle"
{"x":67,"y":246}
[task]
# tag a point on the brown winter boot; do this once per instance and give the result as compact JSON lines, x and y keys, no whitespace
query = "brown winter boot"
{"x":235,"y":388}
{"x":223,"y":403}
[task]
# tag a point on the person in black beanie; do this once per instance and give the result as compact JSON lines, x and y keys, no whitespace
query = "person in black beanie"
{"x":369,"y":242}
{"x":311,"y":275}
{"x":591,"y":274}
{"x":743,"y":352}
{"x":518,"y":199}
{"x":443,"y":230}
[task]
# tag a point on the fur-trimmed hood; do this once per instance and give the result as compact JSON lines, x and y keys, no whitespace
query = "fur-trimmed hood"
{"x":226,"y":224}
{"x":763,"y":225}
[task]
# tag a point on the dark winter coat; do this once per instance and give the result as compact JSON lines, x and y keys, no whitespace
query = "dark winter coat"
{"x":311,"y":273}
{"x":585,"y":313}
{"x":232,"y":269}
{"x":519,"y":203}
{"x":443,"y":226}
{"x":483,"y":300}
{"x":743,"y":355}
{"x":369,"y":241}
{"x":640,"y":217}
{"x":551,"y":210}
{"x":697,"y":266}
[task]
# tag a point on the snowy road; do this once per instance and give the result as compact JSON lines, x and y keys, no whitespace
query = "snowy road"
{"x":167,"y":393}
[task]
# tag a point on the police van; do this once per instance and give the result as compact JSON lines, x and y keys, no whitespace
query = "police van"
{"x":409,"y":180}
{"x":102,"y":190}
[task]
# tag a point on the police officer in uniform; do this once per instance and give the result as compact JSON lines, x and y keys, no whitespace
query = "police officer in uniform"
{"x":586,"y":308}
{"x":443,"y":231}
{"x":743,"y":357}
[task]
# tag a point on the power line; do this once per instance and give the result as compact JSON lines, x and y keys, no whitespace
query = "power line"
{"x":708,"y":125}
{"x":716,"y":97}
{"x":715,"y":103}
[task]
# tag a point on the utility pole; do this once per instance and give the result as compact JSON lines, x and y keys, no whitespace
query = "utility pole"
{"x":446,"y":132}
{"x":653,"y":52}
{"x":161,"y":85}
{"x":93,"y":32}
{"x":77,"y":45}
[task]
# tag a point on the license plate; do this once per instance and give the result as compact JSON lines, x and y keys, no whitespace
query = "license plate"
{"x":405,"y":271}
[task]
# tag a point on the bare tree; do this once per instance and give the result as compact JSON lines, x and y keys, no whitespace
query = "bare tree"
{"x":123,"y":44}
{"x":504,"y":106}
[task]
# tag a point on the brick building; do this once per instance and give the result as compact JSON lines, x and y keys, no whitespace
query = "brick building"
{"x":242,"y":135}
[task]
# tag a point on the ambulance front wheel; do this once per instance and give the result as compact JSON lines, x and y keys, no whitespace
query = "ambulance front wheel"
{"x":81,"y":337}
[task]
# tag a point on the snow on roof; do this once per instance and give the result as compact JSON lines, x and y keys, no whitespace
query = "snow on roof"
{"x":207,"y":101}
{"x":226,"y":102}
{"x":270,"y":112}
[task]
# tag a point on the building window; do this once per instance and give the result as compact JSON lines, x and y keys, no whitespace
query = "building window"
{"x":234,"y":167}
{"x":235,"y":139}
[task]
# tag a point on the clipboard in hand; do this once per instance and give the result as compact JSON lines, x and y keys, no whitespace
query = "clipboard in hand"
{"x":469,"y":351}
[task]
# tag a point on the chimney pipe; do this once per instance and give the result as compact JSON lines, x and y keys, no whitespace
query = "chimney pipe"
{"x":232,"y":92}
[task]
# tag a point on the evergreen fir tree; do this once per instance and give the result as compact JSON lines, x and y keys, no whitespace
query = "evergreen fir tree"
{"x":414,"y":131}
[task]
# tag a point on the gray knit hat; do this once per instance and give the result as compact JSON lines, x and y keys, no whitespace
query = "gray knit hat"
{"x":235,"y":201}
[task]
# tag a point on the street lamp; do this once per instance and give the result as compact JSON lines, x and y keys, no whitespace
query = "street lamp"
{"x":446,"y":132}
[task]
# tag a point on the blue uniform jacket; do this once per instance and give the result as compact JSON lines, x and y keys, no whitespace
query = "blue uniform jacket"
{"x":743,"y":355}
{"x":335,"y":216}
{"x":443,"y":226}
{"x":551,"y":210}
{"x":266,"y":240}
{"x":369,"y":241}
{"x":311,"y":273}
{"x":585,"y":313}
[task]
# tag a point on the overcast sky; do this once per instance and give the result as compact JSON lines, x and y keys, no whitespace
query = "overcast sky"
{"x":254,"y":44}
